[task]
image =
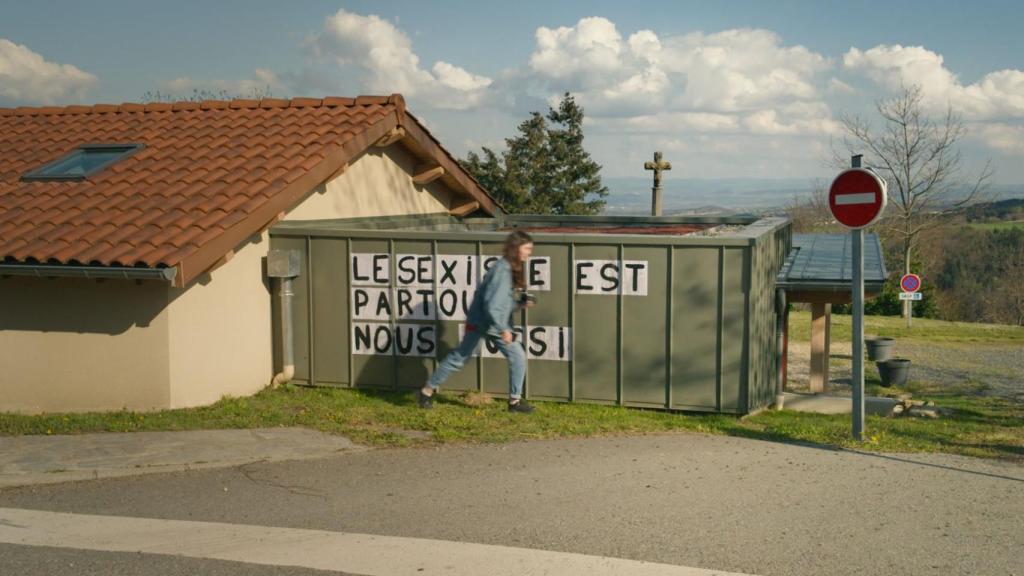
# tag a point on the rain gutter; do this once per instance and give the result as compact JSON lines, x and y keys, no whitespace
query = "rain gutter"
{"x":68,"y":271}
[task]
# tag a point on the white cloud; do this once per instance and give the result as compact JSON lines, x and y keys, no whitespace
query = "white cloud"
{"x":608,"y":75}
{"x":997,"y":94}
{"x":591,"y":48}
{"x":1006,"y":138}
{"x":459,"y":79}
{"x":26,"y":77}
{"x":837,"y":86}
{"x":741,"y":80}
{"x":742,"y":70}
{"x":384,"y":57}
{"x":262,"y":82}
{"x":671,"y":122}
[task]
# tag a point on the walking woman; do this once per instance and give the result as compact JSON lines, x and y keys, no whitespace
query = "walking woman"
{"x":489,"y":317}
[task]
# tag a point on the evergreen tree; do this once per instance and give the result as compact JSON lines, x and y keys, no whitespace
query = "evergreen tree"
{"x":545,"y":169}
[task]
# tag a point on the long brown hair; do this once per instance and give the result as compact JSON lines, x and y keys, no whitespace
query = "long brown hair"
{"x":511,"y":253}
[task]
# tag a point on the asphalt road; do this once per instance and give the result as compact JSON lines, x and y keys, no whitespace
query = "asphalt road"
{"x":702,"y":501}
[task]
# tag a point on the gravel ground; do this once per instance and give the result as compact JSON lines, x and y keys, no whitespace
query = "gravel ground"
{"x":998,"y":367}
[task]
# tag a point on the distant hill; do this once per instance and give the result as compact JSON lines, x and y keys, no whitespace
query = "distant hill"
{"x":703,"y":196}
{"x":1009,"y":209}
{"x":726,"y":195}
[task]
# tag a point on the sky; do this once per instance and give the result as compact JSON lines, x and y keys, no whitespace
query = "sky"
{"x":728,"y":89}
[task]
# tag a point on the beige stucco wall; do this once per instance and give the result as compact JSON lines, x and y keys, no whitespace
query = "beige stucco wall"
{"x":82,"y":345}
{"x":219,"y":331}
{"x":69,"y":345}
{"x":378,"y":183}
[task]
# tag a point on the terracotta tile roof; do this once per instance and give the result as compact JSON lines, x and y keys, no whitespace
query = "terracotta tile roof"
{"x":211,"y":174}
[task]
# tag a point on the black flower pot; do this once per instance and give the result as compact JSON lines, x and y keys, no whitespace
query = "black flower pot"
{"x":893,"y":371}
{"x":879,"y":349}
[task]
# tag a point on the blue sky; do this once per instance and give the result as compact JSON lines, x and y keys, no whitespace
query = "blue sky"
{"x":726,"y":89}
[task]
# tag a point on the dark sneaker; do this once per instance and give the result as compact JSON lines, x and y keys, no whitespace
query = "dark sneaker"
{"x":425,"y":402}
{"x":522,"y":407}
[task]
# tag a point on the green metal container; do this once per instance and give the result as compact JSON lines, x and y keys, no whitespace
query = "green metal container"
{"x":647,"y":320}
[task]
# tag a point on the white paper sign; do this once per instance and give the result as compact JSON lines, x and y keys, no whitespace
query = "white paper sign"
{"x":370,"y":270}
{"x":414,"y":269}
{"x":456,"y":270}
{"x":370,"y":303}
{"x":402,"y":339}
{"x":542,"y":342}
{"x":538,"y":274}
{"x":610,"y":277}
{"x":549,"y":343}
{"x":407,"y":303}
{"x":634,"y":278}
{"x":453,"y":302}
{"x":486,"y":263}
{"x":414,"y":302}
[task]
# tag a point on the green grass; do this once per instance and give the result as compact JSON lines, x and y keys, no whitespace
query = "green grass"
{"x":923,"y":329}
{"x":997,"y":225}
{"x":981,"y":426}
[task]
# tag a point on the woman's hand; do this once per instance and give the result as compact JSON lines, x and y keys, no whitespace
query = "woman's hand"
{"x":506,"y":336}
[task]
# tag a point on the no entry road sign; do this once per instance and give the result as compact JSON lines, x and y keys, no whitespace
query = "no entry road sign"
{"x":857,"y":197}
{"x":910,"y":282}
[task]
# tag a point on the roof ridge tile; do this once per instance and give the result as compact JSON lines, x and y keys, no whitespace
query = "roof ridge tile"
{"x":366,"y":100}
{"x":214,"y":104}
{"x":305,"y":102}
{"x":244,"y":103}
{"x":333,"y":101}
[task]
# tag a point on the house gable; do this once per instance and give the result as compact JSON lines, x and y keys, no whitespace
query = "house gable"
{"x":378,"y":183}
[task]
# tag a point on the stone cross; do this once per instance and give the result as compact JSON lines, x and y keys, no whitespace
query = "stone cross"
{"x":658,"y":165}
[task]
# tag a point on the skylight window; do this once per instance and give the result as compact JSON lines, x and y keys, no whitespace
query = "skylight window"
{"x":84,"y":161}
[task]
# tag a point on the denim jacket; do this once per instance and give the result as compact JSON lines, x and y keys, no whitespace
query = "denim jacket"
{"x":492,"y":306}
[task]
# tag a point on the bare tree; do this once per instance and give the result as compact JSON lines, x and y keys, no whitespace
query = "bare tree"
{"x":919,"y":158}
{"x":811,"y":213}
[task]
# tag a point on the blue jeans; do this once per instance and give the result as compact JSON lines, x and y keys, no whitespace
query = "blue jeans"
{"x":455,"y":360}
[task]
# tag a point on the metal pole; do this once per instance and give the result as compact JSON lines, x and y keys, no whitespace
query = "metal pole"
{"x":858,"y":333}
{"x":780,"y":348}
{"x":858,"y":326}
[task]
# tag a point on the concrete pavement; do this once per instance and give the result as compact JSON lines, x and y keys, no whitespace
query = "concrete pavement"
{"x":50,"y":459}
{"x":828,"y":404}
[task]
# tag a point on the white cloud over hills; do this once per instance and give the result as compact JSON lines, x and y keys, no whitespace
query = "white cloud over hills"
{"x":681,"y":91}
{"x":742,"y":97}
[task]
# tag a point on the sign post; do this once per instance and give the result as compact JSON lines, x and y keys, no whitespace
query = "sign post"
{"x":910,"y":284}
{"x":857,"y":198}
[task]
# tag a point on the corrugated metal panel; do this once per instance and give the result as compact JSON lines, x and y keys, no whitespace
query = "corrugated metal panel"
{"x":701,"y":337}
{"x":824,"y":260}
